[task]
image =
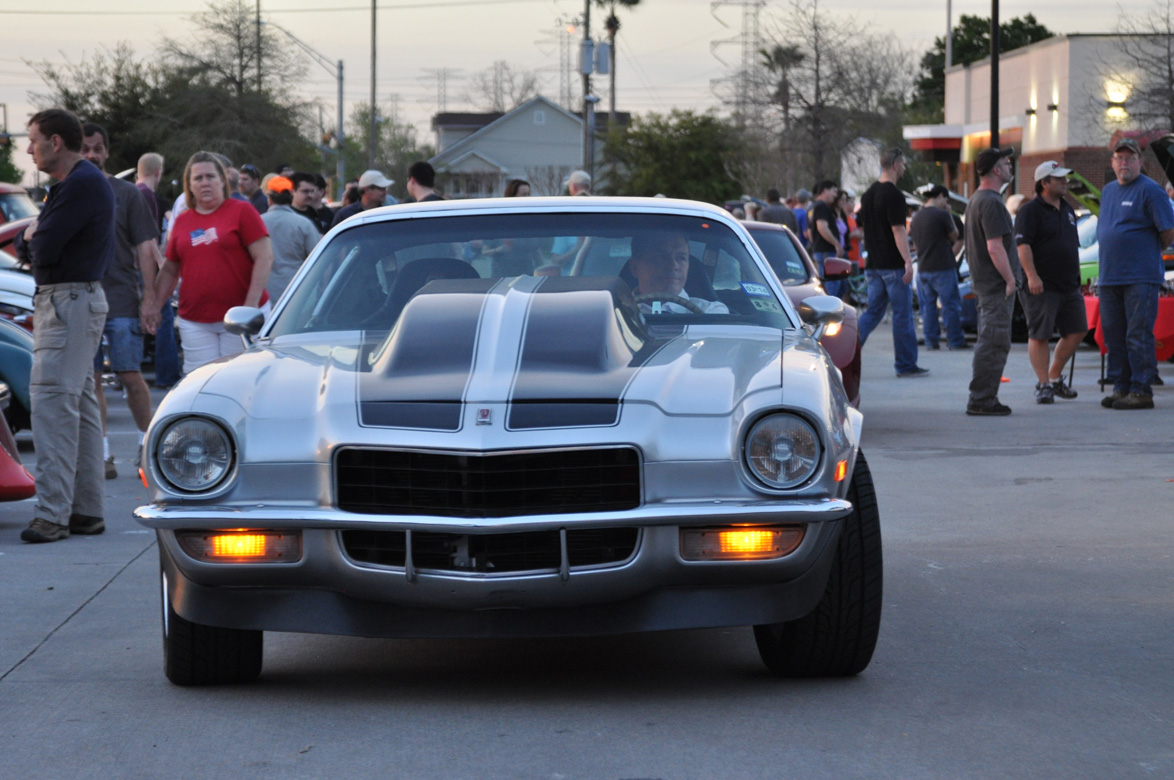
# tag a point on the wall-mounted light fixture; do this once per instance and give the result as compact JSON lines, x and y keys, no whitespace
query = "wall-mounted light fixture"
{"x":1053,"y":107}
{"x":1029,"y":111}
{"x":1119,"y":104}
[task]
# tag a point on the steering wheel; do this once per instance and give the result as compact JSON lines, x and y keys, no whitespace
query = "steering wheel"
{"x":667,"y":298}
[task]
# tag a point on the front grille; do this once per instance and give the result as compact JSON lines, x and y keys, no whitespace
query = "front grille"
{"x":397,"y":482}
{"x":492,"y":553}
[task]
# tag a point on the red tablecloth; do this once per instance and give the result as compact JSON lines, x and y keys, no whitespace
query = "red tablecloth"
{"x":1163,"y":327}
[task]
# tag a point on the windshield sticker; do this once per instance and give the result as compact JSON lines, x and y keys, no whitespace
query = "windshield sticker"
{"x":796,"y":266}
{"x":767,"y":305}
{"x":760,"y":290}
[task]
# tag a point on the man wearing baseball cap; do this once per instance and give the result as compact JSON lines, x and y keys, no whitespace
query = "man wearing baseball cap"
{"x":1049,"y":252}
{"x":1135,"y":223}
{"x":292,"y":235}
{"x":372,"y":193}
{"x":993,"y":268}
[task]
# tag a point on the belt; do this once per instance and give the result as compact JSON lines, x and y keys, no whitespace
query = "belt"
{"x":87,"y":286}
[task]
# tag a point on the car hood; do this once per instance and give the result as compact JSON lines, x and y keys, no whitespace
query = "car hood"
{"x":575,"y":354}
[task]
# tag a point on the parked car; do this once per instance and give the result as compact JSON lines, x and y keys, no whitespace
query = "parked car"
{"x":16,"y":484}
{"x":409,"y":449}
{"x":797,"y":274}
{"x":16,"y":366}
{"x":15,"y":204}
{"x":8,"y":232}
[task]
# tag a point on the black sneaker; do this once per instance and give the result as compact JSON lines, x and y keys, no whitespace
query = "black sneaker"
{"x":990,"y":409}
{"x":111,"y":471}
{"x":86,"y":525}
{"x":963,"y":346}
{"x":1044,"y":393}
{"x":933,"y":347}
{"x":1157,"y":380}
{"x":40,"y":531}
{"x":1060,"y":389}
{"x":914,"y":373}
{"x":1134,"y":401}
{"x":1109,"y":400}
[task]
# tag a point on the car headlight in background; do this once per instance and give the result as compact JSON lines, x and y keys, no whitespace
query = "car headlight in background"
{"x":782,"y":450}
{"x":194,"y":454}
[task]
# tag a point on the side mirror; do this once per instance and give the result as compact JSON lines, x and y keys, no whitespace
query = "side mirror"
{"x":821,"y":311}
{"x":244,"y":321}
{"x":835,"y":268}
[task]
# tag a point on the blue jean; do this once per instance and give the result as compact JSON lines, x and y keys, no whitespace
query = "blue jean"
{"x":835,"y":288}
{"x":1128,"y":314}
{"x":166,"y":349}
{"x":885,"y":287}
{"x":932,"y":285}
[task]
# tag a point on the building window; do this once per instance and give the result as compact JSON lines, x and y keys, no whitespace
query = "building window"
{"x":539,"y":117}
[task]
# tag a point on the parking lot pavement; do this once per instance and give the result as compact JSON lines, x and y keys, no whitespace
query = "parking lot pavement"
{"x":1026,"y":633}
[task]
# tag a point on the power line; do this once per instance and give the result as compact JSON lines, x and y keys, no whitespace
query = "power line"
{"x":325,"y":10}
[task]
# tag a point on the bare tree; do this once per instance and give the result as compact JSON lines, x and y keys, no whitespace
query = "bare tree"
{"x":837,"y":81}
{"x":1140,"y":73}
{"x":502,"y":87}
{"x":547,"y":179}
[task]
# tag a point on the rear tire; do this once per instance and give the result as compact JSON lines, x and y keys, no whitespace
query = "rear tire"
{"x":195,"y":654}
{"x":838,"y":637}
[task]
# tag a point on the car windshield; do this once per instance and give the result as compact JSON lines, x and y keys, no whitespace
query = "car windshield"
{"x":681,"y":268}
{"x":16,"y":205}
{"x":783,"y":256}
{"x":1086,"y":230}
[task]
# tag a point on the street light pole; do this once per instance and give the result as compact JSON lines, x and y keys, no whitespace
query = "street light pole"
{"x":336,"y":71}
{"x":588,"y":107}
{"x":994,"y":73}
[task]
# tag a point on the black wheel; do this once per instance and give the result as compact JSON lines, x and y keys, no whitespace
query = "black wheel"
{"x":837,"y":638}
{"x":195,"y":654}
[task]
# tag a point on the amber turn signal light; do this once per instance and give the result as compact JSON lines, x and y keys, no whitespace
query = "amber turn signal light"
{"x":242,"y":546}
{"x":740,"y":543}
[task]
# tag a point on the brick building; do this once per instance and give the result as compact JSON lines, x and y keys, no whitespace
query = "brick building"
{"x":1060,"y":99}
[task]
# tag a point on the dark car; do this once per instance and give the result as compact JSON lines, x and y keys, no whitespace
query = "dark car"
{"x":796,"y":272}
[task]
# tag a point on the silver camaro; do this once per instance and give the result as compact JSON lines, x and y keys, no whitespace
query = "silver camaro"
{"x":523,"y":417}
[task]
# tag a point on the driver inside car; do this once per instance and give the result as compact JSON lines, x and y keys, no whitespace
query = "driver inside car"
{"x":660,"y":263}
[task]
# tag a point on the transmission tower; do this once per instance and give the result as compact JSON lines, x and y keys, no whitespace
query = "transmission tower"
{"x":744,"y":90}
{"x":562,"y":37}
{"x":440,"y":76}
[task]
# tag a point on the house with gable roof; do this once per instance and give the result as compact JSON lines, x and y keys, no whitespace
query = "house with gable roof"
{"x":539,"y":141}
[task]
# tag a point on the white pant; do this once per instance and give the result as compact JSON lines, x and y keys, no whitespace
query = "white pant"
{"x":204,"y":342}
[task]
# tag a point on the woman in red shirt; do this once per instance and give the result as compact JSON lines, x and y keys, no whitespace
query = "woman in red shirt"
{"x":220,"y":248}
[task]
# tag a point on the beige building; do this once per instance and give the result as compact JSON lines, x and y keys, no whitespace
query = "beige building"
{"x":538,"y":141}
{"x":1060,"y":99}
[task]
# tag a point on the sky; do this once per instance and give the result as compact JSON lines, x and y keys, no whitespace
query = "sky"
{"x":670,"y":52}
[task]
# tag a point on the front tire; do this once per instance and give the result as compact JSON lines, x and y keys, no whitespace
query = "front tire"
{"x":195,"y":654}
{"x":838,"y":637}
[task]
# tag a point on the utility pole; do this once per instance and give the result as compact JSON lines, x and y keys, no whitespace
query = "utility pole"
{"x":949,"y":34}
{"x":372,"y":135}
{"x":336,"y":71}
{"x":258,"y":45}
{"x":994,"y":73}
{"x":585,"y":61}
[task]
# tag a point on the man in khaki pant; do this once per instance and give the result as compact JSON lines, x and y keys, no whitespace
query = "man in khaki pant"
{"x":69,"y":247}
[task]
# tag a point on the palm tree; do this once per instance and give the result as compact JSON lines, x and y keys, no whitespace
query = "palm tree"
{"x":613,"y":26}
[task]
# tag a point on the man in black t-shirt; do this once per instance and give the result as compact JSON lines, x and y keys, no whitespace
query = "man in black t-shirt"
{"x":1049,"y":253}
{"x":935,"y":236}
{"x":890,"y":266}
{"x":825,"y":238}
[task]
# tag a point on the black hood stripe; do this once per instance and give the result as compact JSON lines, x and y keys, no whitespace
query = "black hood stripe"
{"x":577,"y":358}
{"x":420,"y":378}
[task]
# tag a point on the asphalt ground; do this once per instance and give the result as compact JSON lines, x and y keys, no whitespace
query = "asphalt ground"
{"x":1028,"y":632}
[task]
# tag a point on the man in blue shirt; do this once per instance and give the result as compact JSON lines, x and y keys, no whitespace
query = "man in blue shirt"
{"x":1135,"y":222}
{"x":69,"y":247}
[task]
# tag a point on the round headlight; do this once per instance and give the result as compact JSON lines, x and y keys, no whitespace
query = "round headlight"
{"x":782,"y":450}
{"x":194,"y":454}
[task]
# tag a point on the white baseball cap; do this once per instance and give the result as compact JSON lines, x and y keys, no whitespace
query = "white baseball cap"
{"x":1050,"y":168}
{"x":374,"y":179}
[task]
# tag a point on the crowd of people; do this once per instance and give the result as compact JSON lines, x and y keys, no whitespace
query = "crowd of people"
{"x":1021,"y":247}
{"x":107,"y":256}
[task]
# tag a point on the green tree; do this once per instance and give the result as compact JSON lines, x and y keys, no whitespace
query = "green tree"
{"x":8,"y":170}
{"x":681,"y":155}
{"x":398,"y":146}
{"x":972,"y":42}
{"x":188,"y":99}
